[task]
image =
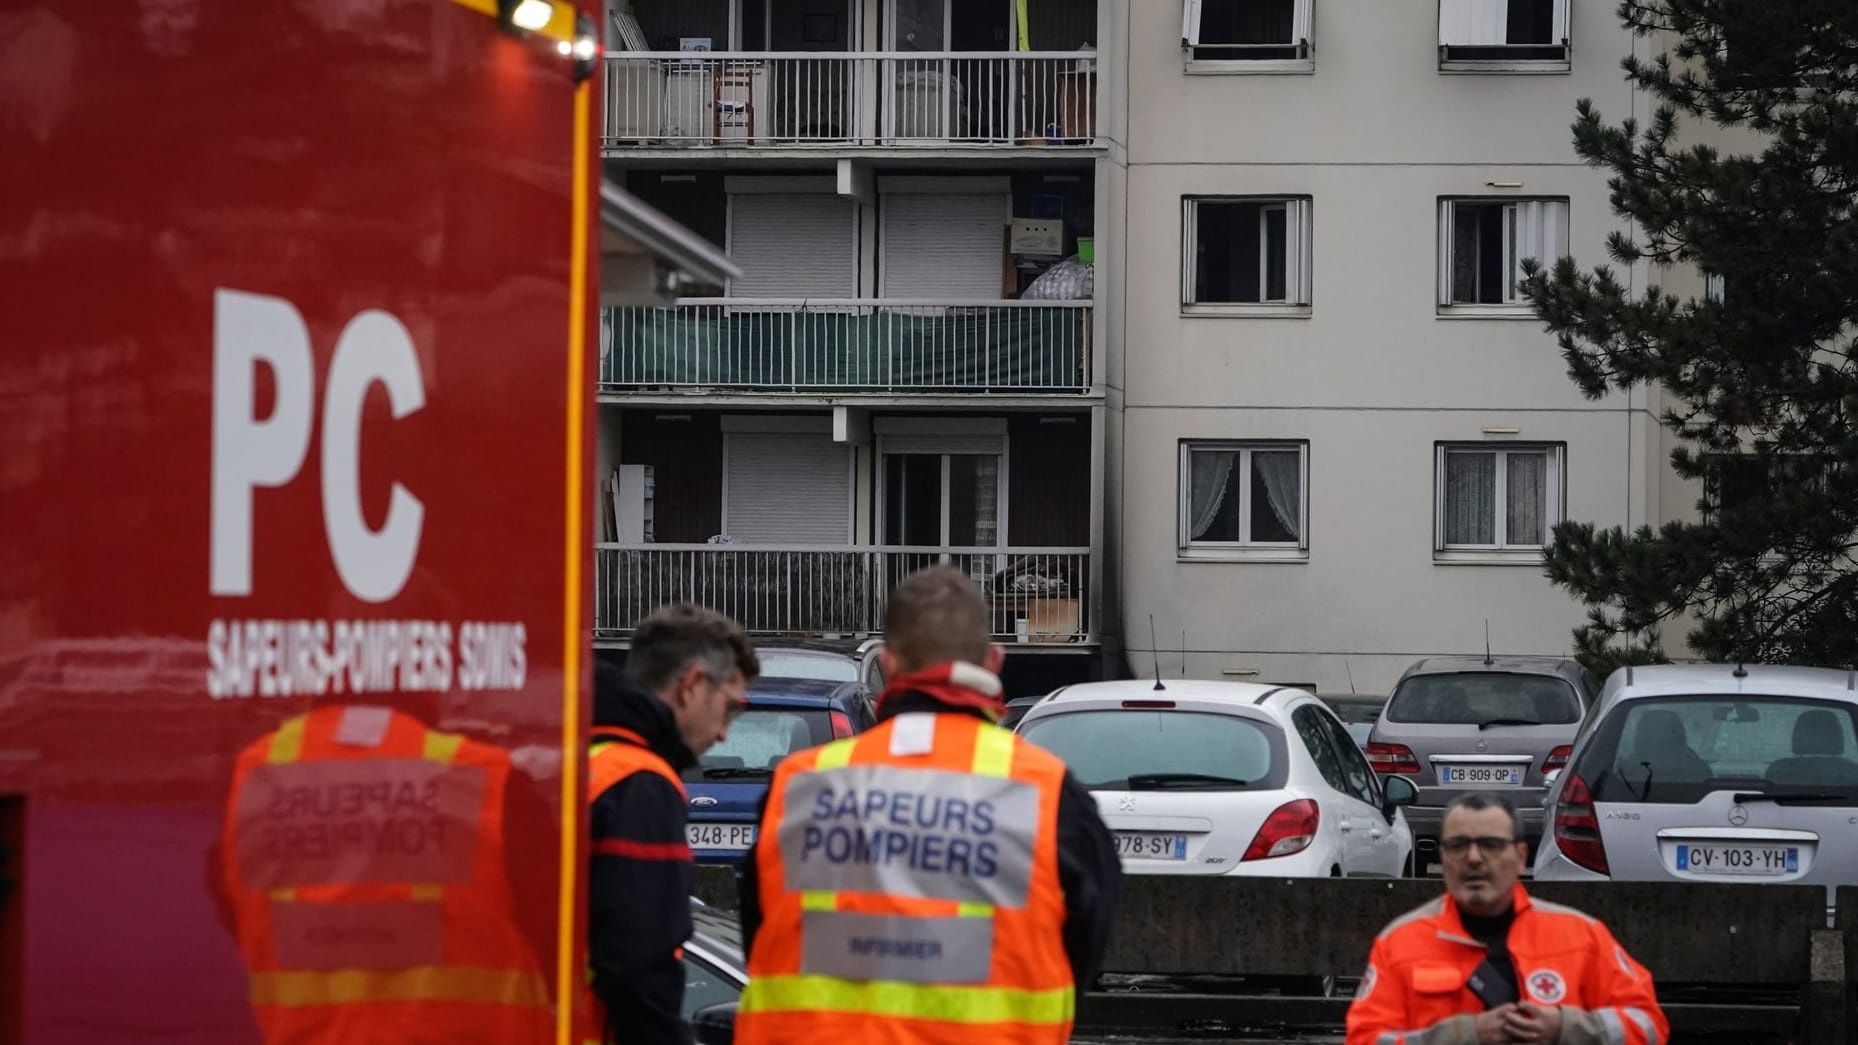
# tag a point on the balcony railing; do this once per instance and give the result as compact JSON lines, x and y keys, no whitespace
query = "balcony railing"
{"x":850,"y":345}
{"x":679,"y":99}
{"x":1038,"y":595}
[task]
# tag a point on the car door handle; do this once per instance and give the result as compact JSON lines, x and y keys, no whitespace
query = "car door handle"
{"x":1345,"y":825}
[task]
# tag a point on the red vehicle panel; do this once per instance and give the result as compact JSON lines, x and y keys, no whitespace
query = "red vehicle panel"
{"x":293,"y":405}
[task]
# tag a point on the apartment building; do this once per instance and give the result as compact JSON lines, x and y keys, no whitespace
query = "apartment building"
{"x":909,"y":366}
{"x":1337,"y":437}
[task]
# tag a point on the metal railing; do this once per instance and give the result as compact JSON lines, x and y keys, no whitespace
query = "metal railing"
{"x":740,"y":98}
{"x":1038,"y":595}
{"x":850,"y":344}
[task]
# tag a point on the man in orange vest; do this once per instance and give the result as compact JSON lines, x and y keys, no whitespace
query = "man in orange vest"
{"x":364,"y":870}
{"x":687,"y":676}
{"x":1488,"y":964}
{"x":933,"y":880}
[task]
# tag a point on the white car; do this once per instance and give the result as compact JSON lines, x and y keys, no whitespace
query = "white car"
{"x":1226,"y":778}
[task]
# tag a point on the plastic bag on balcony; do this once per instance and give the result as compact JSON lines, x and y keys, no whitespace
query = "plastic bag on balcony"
{"x":723,"y":538}
{"x":1070,"y":280}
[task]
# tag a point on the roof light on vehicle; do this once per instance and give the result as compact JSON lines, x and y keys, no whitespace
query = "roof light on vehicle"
{"x":1289,"y":829}
{"x":586,"y":47}
{"x":532,"y":14}
{"x":1148,"y":703}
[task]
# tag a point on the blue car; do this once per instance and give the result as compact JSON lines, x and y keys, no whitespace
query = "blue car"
{"x":784,"y":715}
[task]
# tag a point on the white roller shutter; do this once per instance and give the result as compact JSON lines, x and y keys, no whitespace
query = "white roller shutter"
{"x":792,"y":245}
{"x":943,"y":245}
{"x":786,"y":488}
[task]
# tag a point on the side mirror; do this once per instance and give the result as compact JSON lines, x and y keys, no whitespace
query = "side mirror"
{"x":1400,"y":792}
{"x":715,"y":1024}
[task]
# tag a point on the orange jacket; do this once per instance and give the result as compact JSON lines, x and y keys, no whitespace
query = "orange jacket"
{"x":616,"y":754}
{"x":363,"y":857}
{"x":1414,"y":990}
{"x":908,"y":881}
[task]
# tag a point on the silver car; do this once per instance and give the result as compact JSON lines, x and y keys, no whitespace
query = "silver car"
{"x":1712,"y":773}
{"x":1459,"y":724}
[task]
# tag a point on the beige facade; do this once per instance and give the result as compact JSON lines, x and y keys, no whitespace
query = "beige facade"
{"x":1368,"y":375}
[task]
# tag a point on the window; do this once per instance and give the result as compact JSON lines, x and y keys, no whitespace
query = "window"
{"x":1355,"y":770}
{"x":1245,"y":253}
{"x":1677,"y":750}
{"x":1260,"y":34}
{"x":758,"y":739}
{"x":1474,"y":698}
{"x":1526,"y":35}
{"x":1244,"y":496}
{"x":1738,"y":480}
{"x":1482,"y":244}
{"x":1498,"y":499}
{"x":1114,"y":750}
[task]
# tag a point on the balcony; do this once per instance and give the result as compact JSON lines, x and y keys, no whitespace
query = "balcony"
{"x":1040,"y":596}
{"x":850,"y":345}
{"x":761,"y":99}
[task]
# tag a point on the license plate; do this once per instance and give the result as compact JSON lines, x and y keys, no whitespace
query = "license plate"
{"x":1504,"y":776}
{"x":1150,"y":846}
{"x":1738,"y":859}
{"x":719,"y":836}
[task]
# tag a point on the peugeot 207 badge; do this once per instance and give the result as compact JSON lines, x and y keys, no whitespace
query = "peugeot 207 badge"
{"x":1737,"y":816}
{"x":1127,"y":804}
{"x":702,"y":802}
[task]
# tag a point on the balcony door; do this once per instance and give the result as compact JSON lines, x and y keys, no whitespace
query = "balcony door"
{"x":944,"y":491}
{"x":947,"y":98}
{"x":812,"y":91}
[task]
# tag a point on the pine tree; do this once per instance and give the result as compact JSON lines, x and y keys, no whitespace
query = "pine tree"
{"x":1760,"y":379}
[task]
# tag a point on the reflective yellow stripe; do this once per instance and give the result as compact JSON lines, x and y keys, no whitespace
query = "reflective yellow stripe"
{"x":819,"y":900}
{"x":974,"y":910}
{"x":441,"y":747}
{"x":283,"y":895}
{"x":835,"y":755}
{"x":425,"y":983}
{"x":993,"y":752}
{"x":287,"y":742}
{"x":428,"y":892}
{"x":907,"y":1000}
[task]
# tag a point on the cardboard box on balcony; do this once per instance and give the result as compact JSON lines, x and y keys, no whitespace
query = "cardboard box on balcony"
{"x":1052,"y":618}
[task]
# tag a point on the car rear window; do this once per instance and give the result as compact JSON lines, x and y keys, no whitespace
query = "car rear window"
{"x":1163,"y":750}
{"x":800,"y":666}
{"x":1678,"y":749}
{"x":758,"y":739}
{"x":1477,"y":698}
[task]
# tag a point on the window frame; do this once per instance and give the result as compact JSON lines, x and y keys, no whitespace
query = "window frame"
{"x":1244,"y":549}
{"x":1561,"y":35}
{"x":1511,"y":308}
{"x":1303,"y":19}
{"x":1503,"y":551}
{"x":1298,"y":237}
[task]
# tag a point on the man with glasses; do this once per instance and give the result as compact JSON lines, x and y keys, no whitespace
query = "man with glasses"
{"x":687,"y":676}
{"x":1487,"y":964}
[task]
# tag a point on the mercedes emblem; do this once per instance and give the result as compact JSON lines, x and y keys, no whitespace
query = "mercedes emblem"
{"x":1483,"y":745}
{"x":702,"y":802}
{"x":1738,"y":816}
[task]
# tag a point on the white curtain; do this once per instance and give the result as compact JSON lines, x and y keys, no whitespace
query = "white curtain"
{"x":1526,"y":493}
{"x":1471,"y":498}
{"x":1282,"y":477}
{"x":1209,"y":472}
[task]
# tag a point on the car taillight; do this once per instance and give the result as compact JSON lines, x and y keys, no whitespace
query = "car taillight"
{"x":1392,"y":758}
{"x":1289,"y":829}
{"x":1557,"y":759}
{"x":1577,"y":828}
{"x":841,"y":724}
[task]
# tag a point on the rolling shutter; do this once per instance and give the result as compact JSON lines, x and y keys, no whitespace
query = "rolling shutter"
{"x":943,"y":245}
{"x":792,"y":245}
{"x":786,"y":488}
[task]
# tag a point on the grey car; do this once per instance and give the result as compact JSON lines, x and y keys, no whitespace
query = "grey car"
{"x":1459,"y":724}
{"x":1712,"y":773}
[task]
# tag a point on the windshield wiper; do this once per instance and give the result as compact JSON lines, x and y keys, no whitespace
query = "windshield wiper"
{"x":1802,"y":796}
{"x":734,"y":773}
{"x":1156,"y":781}
{"x":1507,"y":722}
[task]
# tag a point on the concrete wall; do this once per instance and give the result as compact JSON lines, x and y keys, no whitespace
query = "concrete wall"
{"x":1373,"y":377}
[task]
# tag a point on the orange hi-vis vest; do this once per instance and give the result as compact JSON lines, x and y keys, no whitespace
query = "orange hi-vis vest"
{"x":615,"y":755}
{"x":364,"y":856}
{"x":909,"y":892}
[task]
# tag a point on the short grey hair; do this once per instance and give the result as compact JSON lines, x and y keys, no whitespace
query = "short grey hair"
{"x":1478,"y":801}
